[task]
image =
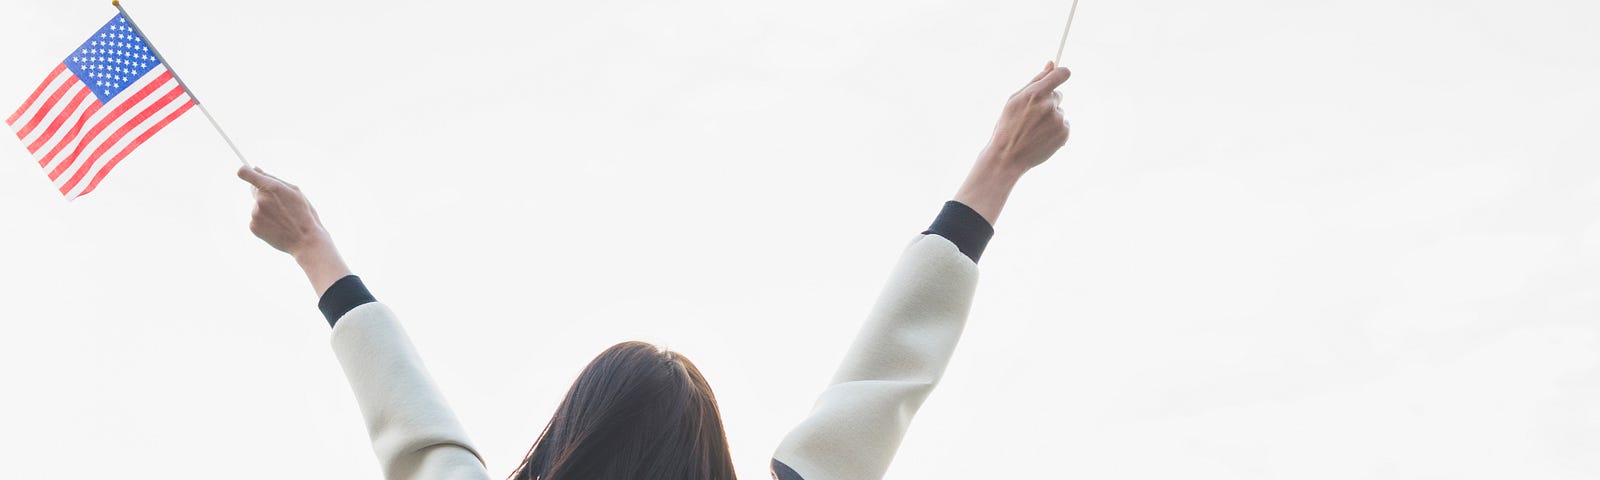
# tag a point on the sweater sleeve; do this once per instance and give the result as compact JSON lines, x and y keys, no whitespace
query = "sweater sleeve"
{"x":857,"y":424}
{"x":414,"y":433}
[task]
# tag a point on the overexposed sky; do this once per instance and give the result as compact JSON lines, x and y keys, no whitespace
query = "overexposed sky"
{"x":1310,"y":240}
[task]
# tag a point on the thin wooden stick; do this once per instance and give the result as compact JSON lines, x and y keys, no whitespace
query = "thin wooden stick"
{"x":1063,"y":47}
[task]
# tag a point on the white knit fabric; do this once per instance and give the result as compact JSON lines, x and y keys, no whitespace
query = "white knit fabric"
{"x":851,"y":434}
{"x":414,"y":433}
{"x":856,"y":425}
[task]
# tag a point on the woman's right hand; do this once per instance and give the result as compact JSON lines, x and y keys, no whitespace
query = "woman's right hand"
{"x":1032,"y":126}
{"x":1030,"y":130}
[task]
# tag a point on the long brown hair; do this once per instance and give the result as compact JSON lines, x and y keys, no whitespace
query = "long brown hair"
{"x":636,"y":412}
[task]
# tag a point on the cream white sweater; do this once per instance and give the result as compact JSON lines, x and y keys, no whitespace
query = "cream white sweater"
{"x":851,"y":433}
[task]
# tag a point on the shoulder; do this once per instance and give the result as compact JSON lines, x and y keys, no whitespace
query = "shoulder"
{"x":783,"y":472}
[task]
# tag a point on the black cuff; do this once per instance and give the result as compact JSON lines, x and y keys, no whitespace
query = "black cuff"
{"x":342,"y":297}
{"x":964,"y":227}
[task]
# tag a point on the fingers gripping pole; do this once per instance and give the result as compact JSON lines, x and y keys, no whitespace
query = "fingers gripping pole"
{"x":192,"y":97}
{"x":1063,"y":47}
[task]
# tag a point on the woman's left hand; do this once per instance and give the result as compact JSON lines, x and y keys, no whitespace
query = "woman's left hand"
{"x":285,"y":219}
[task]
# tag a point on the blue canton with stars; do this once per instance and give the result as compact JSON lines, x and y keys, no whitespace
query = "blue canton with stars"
{"x":112,"y":59}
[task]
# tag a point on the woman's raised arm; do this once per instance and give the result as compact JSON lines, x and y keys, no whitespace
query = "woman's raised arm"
{"x":414,"y":433}
{"x":900,"y":354}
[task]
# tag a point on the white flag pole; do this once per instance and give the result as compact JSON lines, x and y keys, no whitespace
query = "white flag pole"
{"x":174,"y":72}
{"x":1063,"y":47}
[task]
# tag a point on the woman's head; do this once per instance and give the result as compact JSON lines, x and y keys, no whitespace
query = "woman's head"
{"x":636,"y":412}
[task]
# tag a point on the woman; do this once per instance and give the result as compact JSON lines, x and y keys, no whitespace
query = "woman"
{"x":639,"y":412}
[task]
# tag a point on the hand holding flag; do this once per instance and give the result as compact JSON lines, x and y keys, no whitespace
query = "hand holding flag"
{"x":285,"y":219}
{"x":1032,"y":126}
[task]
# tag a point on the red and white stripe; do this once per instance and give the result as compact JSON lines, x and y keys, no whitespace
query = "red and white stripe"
{"x":77,"y":140}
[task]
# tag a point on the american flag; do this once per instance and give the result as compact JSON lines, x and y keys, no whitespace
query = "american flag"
{"x":107,"y":98}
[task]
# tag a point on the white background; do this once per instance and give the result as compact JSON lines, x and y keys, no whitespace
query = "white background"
{"x":1287,"y":239}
